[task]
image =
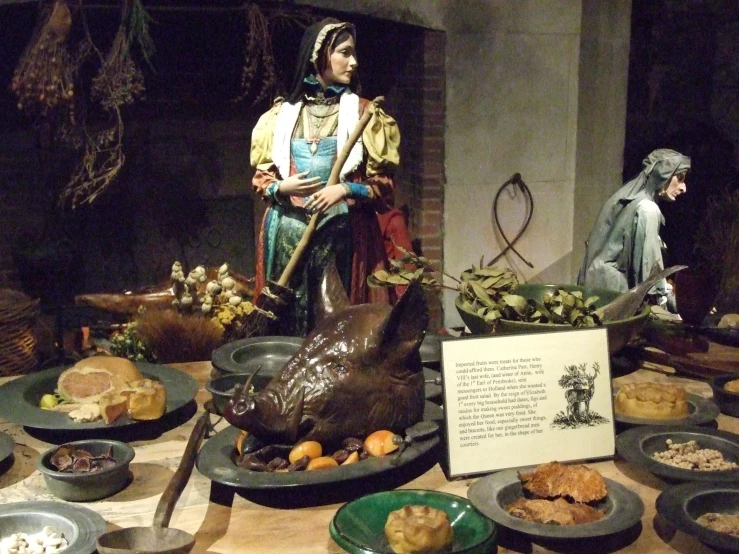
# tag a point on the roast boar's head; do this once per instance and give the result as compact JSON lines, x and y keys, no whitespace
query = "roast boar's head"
{"x":357,"y":372}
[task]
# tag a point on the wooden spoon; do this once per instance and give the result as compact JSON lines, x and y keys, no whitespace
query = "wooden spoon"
{"x":160,"y":539}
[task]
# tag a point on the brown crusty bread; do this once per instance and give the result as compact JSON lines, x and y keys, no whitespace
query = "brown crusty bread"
{"x":90,"y":379}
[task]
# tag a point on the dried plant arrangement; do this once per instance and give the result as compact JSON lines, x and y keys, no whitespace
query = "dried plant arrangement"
{"x":118,"y":83}
{"x":259,"y":77}
{"x":44,"y":78}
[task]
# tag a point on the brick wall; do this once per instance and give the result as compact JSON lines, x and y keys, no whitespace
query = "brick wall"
{"x":420,"y":115}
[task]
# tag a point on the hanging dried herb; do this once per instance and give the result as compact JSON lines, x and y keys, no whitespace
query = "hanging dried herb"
{"x":119,"y":82}
{"x":44,"y":77}
{"x":258,"y":76}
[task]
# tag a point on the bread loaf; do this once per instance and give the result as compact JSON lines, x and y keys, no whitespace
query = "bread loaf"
{"x":419,"y":529}
{"x":651,"y":401}
{"x":90,"y":379}
{"x":147,"y":399}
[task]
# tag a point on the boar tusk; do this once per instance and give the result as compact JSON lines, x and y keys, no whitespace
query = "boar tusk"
{"x":247,"y":386}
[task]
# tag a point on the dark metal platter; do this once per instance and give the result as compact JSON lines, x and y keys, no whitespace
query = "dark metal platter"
{"x":19,"y":398}
{"x":681,"y":505}
{"x":637,"y":446}
{"x":702,"y":411}
{"x":272,"y":353}
{"x":80,"y":526}
{"x":7,"y":445}
{"x":492,"y":493}
{"x":246,"y":355}
{"x":215,"y":462}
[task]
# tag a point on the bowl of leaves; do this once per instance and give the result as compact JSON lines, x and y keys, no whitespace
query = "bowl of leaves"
{"x":491,"y":300}
{"x":542,"y":308}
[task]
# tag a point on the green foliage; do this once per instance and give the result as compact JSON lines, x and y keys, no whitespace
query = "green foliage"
{"x":128,"y":344}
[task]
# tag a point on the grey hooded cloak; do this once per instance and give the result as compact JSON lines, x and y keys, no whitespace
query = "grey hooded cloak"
{"x":624,"y":244}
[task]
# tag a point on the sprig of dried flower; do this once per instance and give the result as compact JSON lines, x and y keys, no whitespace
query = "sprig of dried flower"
{"x":259,"y":77}
{"x":119,"y":82}
{"x":44,"y":78}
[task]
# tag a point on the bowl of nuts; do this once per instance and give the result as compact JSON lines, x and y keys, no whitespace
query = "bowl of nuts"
{"x":86,"y":470}
{"x":680,"y":453}
{"x":49,"y":527}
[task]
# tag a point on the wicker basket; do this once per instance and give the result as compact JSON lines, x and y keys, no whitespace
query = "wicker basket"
{"x":18,"y":315}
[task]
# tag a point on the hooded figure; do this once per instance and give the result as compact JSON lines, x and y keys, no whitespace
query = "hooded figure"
{"x":624,"y":245}
{"x":294,"y":146}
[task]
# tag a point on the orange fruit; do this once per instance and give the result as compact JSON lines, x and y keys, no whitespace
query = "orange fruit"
{"x":381,"y":443}
{"x":322,"y":462}
{"x":240,"y":441}
{"x":353,"y":457}
{"x":312,"y":449}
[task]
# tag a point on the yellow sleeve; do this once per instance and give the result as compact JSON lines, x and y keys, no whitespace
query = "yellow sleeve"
{"x":262,"y":137}
{"x":381,"y":139}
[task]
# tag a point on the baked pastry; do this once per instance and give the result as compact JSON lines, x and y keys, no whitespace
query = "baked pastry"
{"x":147,"y":399}
{"x":90,"y":379}
{"x":651,"y":401}
{"x":419,"y":530}
{"x":732,"y":386}
{"x":553,"y":479}
{"x":554,"y":512}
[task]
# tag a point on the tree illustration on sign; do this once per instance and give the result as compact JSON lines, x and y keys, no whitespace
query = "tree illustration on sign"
{"x":579,"y":387}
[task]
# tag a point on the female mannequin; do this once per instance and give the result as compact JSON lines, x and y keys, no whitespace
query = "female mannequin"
{"x":294,"y":146}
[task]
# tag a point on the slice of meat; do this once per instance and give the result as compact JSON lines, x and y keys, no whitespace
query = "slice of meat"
{"x":553,"y":512}
{"x":553,"y":479}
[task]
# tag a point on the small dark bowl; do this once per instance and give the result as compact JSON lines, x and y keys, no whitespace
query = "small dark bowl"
{"x":85,"y":487}
{"x":639,"y":444}
{"x":728,"y":402}
{"x":221,"y":388}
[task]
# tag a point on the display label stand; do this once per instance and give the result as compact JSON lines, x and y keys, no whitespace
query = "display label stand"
{"x":521,"y":400}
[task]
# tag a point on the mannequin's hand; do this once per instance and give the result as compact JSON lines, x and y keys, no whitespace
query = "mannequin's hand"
{"x":325,"y":198}
{"x":296,"y":185}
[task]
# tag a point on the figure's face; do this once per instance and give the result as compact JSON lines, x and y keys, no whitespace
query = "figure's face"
{"x":674,"y":188}
{"x":341,"y":64}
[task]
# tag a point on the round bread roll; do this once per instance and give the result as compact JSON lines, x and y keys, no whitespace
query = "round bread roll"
{"x":90,"y":379}
{"x":651,"y":401}
{"x":419,"y":530}
{"x":147,"y":399}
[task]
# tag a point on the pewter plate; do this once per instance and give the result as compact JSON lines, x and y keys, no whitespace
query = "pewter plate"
{"x":19,"y":398}
{"x":637,"y":446}
{"x":7,"y":445}
{"x":702,"y":411}
{"x":272,"y":353}
{"x":245,"y":355}
{"x":215,"y":462}
{"x":681,"y":505}
{"x":492,"y":493}
{"x":80,"y":526}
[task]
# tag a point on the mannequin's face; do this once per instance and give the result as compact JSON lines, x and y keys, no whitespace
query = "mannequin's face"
{"x":341,"y":64}
{"x":674,"y":188}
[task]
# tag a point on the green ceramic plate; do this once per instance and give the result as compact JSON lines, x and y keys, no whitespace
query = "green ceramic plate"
{"x":359,"y":526}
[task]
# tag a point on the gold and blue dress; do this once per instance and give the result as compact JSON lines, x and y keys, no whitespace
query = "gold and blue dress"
{"x":291,"y":139}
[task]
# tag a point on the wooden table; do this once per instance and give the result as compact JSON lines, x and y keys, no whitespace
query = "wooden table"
{"x":228,"y":523}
